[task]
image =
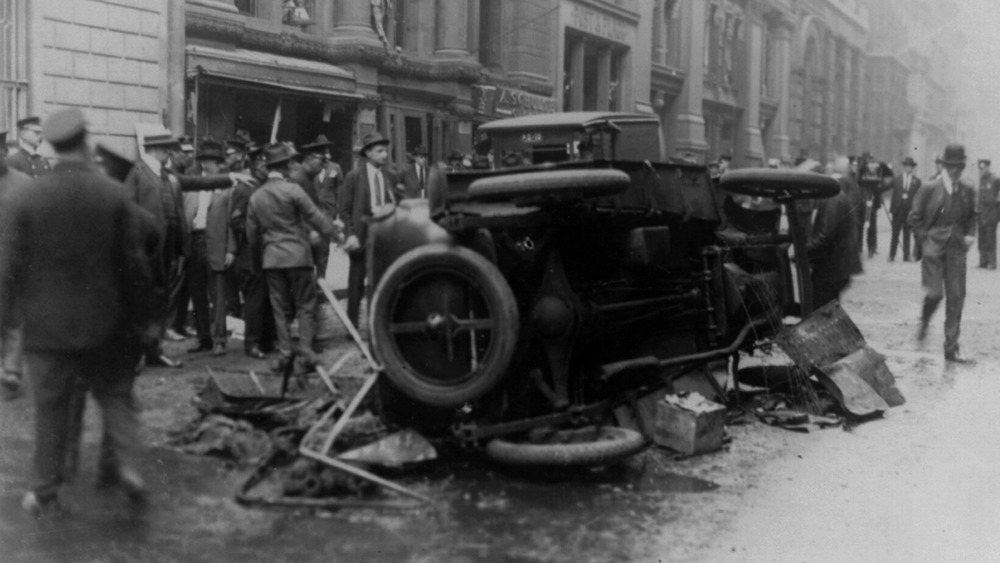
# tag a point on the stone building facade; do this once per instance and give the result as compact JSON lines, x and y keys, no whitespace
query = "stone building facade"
{"x":106,"y":56}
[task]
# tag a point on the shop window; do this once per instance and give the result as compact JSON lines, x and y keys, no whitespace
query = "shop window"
{"x":414,"y":131}
{"x":13,"y":57}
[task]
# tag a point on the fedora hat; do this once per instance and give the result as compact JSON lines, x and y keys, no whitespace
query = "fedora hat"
{"x":370,"y":140}
{"x":954,"y":154}
{"x":277,"y":153}
{"x":210,"y":149}
{"x":908,"y":161}
{"x":321,"y":142}
{"x":114,"y":164}
{"x":160,"y":140}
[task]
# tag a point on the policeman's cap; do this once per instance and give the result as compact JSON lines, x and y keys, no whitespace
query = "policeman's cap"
{"x":985,"y":161}
{"x":31,"y":120}
{"x":65,"y":128}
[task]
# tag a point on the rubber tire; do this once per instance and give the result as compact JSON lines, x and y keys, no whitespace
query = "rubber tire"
{"x":547,"y":184}
{"x":779,"y":184}
{"x":623,"y":443}
{"x":496,"y":292}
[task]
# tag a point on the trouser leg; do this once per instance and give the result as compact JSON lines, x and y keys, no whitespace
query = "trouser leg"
{"x":907,"y":235}
{"x":897,"y":228}
{"x":180,"y":313}
{"x":932,"y":279}
{"x":220,"y":291}
{"x":13,"y":360}
{"x":991,"y":245}
{"x":873,"y":227}
{"x":954,"y":286}
{"x":355,"y":286}
{"x":257,"y":312}
{"x":111,"y":382}
{"x":52,"y":377}
{"x":198,"y":284}
{"x":278,"y":290}
{"x":303,"y":289}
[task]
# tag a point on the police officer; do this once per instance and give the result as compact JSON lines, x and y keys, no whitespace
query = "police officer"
{"x":84,"y":304}
{"x":989,"y":215}
{"x":26,"y":158}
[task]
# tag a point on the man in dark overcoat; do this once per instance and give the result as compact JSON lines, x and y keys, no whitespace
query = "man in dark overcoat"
{"x":904,"y":188}
{"x":415,"y":174}
{"x":833,"y":245}
{"x":10,"y":333}
{"x":74,"y":268}
{"x":366,"y":188}
{"x":989,"y":215}
{"x":279,"y":218}
{"x":26,"y":158}
{"x":944,"y":217}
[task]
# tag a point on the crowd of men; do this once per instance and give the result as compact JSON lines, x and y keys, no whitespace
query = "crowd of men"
{"x":102,"y":259}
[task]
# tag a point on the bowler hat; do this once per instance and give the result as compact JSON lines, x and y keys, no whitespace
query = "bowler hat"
{"x":160,"y":140}
{"x":908,"y":161}
{"x":277,"y":153}
{"x":31,"y":120}
{"x":320,"y":143}
{"x":65,"y":128}
{"x":985,"y":161}
{"x":954,"y":154}
{"x":372,"y":139}
{"x":210,"y":149}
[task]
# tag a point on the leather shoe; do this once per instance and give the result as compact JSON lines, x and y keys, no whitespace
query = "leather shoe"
{"x":173,"y":335}
{"x":219,"y":350}
{"x":954,"y":358}
{"x":162,"y":360}
{"x":255,"y":352}
{"x":42,"y":508}
{"x":202,"y":346}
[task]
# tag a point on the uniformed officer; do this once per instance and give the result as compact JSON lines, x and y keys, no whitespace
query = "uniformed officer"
{"x":10,"y":333}
{"x":26,"y":158}
{"x":83,"y":302}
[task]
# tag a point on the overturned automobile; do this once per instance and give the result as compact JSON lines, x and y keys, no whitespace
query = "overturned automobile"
{"x":517,"y":307}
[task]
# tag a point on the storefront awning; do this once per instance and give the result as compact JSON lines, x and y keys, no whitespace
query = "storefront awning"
{"x":271,"y":71}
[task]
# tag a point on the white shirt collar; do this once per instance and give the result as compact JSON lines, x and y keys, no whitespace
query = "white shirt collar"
{"x":273,"y":174}
{"x":949,"y":187}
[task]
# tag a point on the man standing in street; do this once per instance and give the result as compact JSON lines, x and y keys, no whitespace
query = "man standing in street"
{"x":834,"y":255}
{"x":73,"y":267}
{"x":415,"y":175}
{"x":279,"y":217}
{"x":989,"y":215}
{"x":366,"y":188}
{"x":11,"y":377}
{"x":944,"y":217}
{"x":26,"y":158}
{"x":904,"y":188}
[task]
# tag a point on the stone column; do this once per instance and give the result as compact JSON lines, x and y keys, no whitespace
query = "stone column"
{"x":781,"y":141}
{"x":576,"y":75}
{"x":687,"y":130}
{"x":603,"y":79}
{"x":451,"y":26}
{"x":176,"y":67}
{"x":352,"y":20}
{"x":323,"y":16}
{"x":859,"y":115}
{"x":750,"y":147}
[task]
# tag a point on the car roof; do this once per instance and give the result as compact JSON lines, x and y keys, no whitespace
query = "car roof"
{"x":561,"y":120}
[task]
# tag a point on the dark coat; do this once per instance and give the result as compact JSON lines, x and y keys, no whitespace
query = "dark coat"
{"x":411,"y":181}
{"x":928,"y":205}
{"x":989,"y":194}
{"x":356,"y":201}
{"x":833,"y":243}
{"x":328,"y":187}
{"x":32,"y":165}
{"x":901,"y":201}
{"x":11,"y":179}
{"x":278,"y":219}
{"x":73,"y":262}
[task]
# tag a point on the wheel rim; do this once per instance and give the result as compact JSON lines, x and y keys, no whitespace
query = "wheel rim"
{"x":441,"y":325}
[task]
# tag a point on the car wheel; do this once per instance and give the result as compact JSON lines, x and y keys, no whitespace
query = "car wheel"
{"x":550,"y":184}
{"x":444,"y":324}
{"x":779,"y":184}
{"x":584,"y":447}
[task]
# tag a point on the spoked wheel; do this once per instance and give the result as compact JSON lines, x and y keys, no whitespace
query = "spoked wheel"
{"x":582,"y":447}
{"x":444,"y":324}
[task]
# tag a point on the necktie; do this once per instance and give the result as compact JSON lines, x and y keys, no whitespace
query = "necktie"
{"x":420,"y":178}
{"x":379,"y":196}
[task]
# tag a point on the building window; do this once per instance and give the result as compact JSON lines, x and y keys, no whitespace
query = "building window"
{"x":666,"y":33}
{"x":490,"y":32}
{"x":13,"y":58}
{"x":298,"y":12}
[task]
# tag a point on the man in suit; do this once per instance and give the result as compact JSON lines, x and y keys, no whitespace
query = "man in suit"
{"x":26,"y":158}
{"x":366,"y":188}
{"x":158,"y":190}
{"x":415,"y":174}
{"x":279,"y":217}
{"x":904,"y":188}
{"x":834,"y":255}
{"x":989,"y":215}
{"x":944,"y":217}
{"x":330,"y":177}
{"x":306,"y":176}
{"x":10,"y":333}
{"x":73,"y":266}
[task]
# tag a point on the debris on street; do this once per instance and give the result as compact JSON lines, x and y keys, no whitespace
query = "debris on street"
{"x":689,"y":423}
